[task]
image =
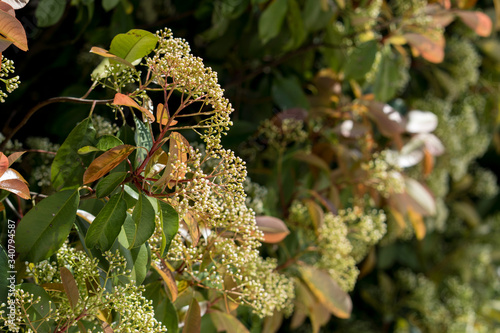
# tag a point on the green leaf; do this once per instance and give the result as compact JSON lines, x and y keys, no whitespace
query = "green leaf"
{"x":106,"y":162}
{"x":106,"y":142}
{"x":49,"y":12}
{"x":144,"y":218}
{"x":295,"y":25}
{"x":360,"y":61}
{"x":109,"y":4}
{"x":192,"y":322}
{"x":169,"y":225}
{"x":224,"y":322}
{"x":167,"y":315}
{"x":327,"y":291}
{"x":109,"y":183}
{"x":39,"y":311}
{"x":139,"y":258}
{"x":4,"y":268}
{"x":288,"y":93}
{"x":133,"y":45}
{"x":142,"y":139}
{"x":87,"y":150}
{"x":271,"y":20}
{"x":46,"y":226}
{"x":104,"y":230}
{"x":68,"y":166}
{"x":388,"y":76}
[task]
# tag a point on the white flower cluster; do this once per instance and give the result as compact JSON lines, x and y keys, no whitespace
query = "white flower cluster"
{"x":383,"y":176}
{"x":12,"y":83}
{"x":103,"y":126}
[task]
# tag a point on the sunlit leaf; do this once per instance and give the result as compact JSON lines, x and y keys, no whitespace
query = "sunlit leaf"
{"x":224,"y":322}
{"x":17,"y":187}
{"x":477,"y":21}
{"x":46,"y":226}
{"x":274,"y":229}
{"x":309,"y":305}
{"x":106,"y":54}
{"x":70,"y":286}
{"x":109,"y":183}
{"x":133,"y":45}
{"x":417,"y":222}
{"x":106,"y":162}
{"x":12,"y":32}
{"x":327,"y":291}
{"x":169,"y":280}
{"x":169,"y":225}
{"x":421,"y":122}
{"x":192,"y":322}
{"x":107,"y":224}
{"x":121,"y":99}
{"x":178,"y":148}
{"x":162,"y":115}
{"x":421,"y":196}
{"x":431,"y":49}
{"x":315,"y":212}
{"x":14,"y":157}
{"x":16,"y":4}
{"x":4,"y":163}
{"x":193,"y":228}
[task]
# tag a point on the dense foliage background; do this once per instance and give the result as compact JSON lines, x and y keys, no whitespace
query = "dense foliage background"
{"x":369,"y":127}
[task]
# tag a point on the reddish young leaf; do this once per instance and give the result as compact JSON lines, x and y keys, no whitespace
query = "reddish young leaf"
{"x":4,"y":164}
{"x":274,"y":229}
{"x":14,"y":156}
{"x":2,"y":207}
{"x":121,"y":99}
{"x":192,"y":225}
{"x":16,"y":4}
{"x":192,"y":322}
{"x":106,"y":162}
{"x":7,"y":8}
{"x":70,"y":287}
{"x":106,"y":54}
{"x":477,"y":21}
{"x":417,"y":221}
{"x":11,"y":32}
{"x":177,"y":153}
{"x":431,"y":50}
{"x":17,"y":187}
{"x":162,"y":115}
{"x":168,"y":278}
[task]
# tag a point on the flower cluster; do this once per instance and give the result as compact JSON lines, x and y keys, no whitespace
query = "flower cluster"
{"x":11,"y":83}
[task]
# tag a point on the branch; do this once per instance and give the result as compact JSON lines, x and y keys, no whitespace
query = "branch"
{"x":45,"y":103}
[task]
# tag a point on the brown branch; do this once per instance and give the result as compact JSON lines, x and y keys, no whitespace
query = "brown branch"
{"x":53,"y":100}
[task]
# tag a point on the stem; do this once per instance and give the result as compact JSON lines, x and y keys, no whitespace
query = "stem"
{"x":37,"y":107}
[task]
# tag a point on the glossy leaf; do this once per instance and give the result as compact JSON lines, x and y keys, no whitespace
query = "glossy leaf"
{"x":109,"y":183}
{"x":274,"y":229}
{"x":70,"y":287}
{"x":107,"y":224}
{"x":477,"y":21}
{"x":271,"y":20}
{"x":68,"y":166}
{"x":224,"y":322}
{"x":142,"y":138}
{"x":49,"y":12}
{"x":8,"y":9}
{"x":16,"y":4}
{"x":46,"y":226}
{"x":144,"y":218}
{"x":4,"y":164}
{"x":133,"y":45}
{"x":17,"y":187}
{"x":162,"y":115}
{"x":106,"y":162}
{"x":14,"y":157}
{"x":327,"y":291}
{"x":421,"y":122}
{"x":192,"y":322}
{"x":124,"y":100}
{"x":11,"y":32}
{"x":106,"y":54}
{"x":361,"y":59}
{"x":169,"y":219}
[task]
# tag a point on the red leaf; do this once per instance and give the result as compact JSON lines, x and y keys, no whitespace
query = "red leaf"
{"x":4,"y":164}
{"x":7,"y":8}
{"x":11,"y":32}
{"x":162,"y":115}
{"x":477,"y":21}
{"x":106,"y":162}
{"x":431,"y":50}
{"x":274,"y":229}
{"x":192,"y":322}
{"x":106,"y":54}
{"x":14,"y":156}
{"x":17,"y":187}
{"x":121,"y":99}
